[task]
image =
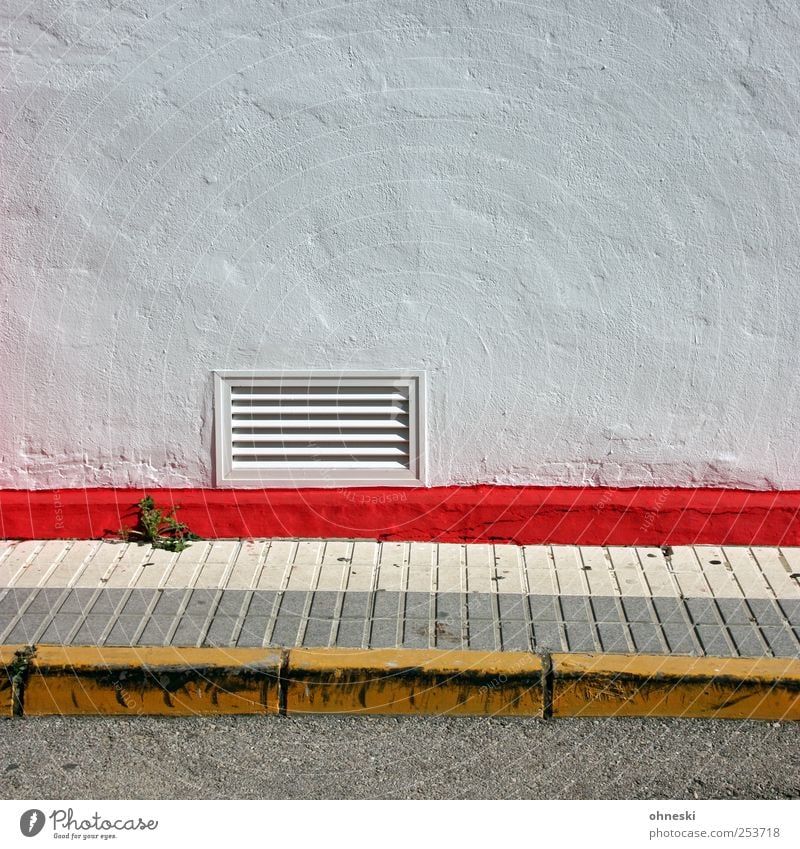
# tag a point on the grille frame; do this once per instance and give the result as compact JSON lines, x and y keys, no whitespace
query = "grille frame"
{"x":317,"y":473}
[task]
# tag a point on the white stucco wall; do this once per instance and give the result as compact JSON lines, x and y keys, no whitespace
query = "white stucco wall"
{"x":581,"y":218}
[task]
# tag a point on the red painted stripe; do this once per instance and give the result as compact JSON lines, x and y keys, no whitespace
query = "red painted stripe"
{"x":522,"y":515}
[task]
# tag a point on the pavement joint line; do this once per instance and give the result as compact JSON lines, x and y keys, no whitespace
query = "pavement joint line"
{"x":93,"y":680}
{"x":36,"y":590}
{"x":187,"y":594}
{"x":95,"y":593}
{"x":127,"y":591}
{"x":151,"y":605}
{"x":249,"y":592}
{"x":40,"y":631}
{"x":278,"y":600}
{"x":215,"y":602}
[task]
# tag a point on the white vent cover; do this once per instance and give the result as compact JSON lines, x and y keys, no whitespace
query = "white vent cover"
{"x":319,"y":428}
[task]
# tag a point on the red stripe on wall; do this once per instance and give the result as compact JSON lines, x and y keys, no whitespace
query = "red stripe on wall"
{"x":502,"y":514}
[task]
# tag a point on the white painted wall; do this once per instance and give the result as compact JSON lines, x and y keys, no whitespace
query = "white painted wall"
{"x":584,"y":223}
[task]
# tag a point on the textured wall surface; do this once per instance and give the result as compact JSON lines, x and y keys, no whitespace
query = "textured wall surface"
{"x":580,"y":217}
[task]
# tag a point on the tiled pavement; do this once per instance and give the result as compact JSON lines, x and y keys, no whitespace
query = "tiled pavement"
{"x":720,"y":601}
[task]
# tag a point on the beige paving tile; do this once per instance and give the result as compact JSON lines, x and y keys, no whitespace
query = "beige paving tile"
{"x":628,"y":572}
{"x":187,"y":566}
{"x":217,"y":566}
{"x":72,"y":564}
{"x":35,"y":572}
{"x":746,"y":572}
{"x":247,"y":567}
{"x":776,"y":569}
{"x":100,"y":565}
{"x":508,"y":571}
{"x":599,"y":576}
{"x":569,"y":572}
{"x":155,"y":571}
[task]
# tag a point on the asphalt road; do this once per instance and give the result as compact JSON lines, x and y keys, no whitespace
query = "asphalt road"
{"x":342,"y":757}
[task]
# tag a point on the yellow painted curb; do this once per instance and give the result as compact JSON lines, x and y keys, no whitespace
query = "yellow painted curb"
{"x":151,"y":681}
{"x":410,"y":681}
{"x":653,"y":685}
{"x":187,"y":681}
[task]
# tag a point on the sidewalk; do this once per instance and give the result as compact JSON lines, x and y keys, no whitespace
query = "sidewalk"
{"x":487,"y":601}
{"x":722,"y":602}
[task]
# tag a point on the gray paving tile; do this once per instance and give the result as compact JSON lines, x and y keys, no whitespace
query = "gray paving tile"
{"x":606,"y":609}
{"x":702,"y":611}
{"x":637,"y":609}
{"x":253,"y":630}
{"x":416,"y":633}
{"x":580,"y":637}
{"x":355,"y":605}
{"x":230,"y":602}
{"x":25,"y":629}
{"x":481,"y":606}
{"x":481,"y":635}
{"x":713,"y":640}
{"x":124,"y":630}
{"x":107,"y":601}
{"x":669,"y":610}
{"x":448,"y":606}
{"x":418,"y":605}
{"x":92,"y":629}
{"x":781,"y":640}
{"x":189,"y":630}
{"x":139,"y":601}
{"x":59,"y":629}
{"x":318,"y":633}
{"x":679,"y":637}
{"x":383,"y":633}
{"x":200,"y":603}
{"x":387,"y":604}
{"x":261,"y":604}
{"x":287,"y":629}
{"x":547,"y":635}
{"x":575,"y":609}
{"x":324,"y":603}
{"x":513,"y":607}
{"x":612,"y":637}
{"x":350,"y":634}
{"x":13,"y":601}
{"x":77,"y":601}
{"x":646,"y":637}
{"x":294,"y":602}
{"x":514,"y":635}
{"x":791,"y":609}
{"x":43,"y":601}
{"x":766,"y":611}
{"x":544,"y":607}
{"x":449,"y":634}
{"x":221,"y":631}
{"x":169,"y":602}
{"x":734,"y":611}
{"x":747,"y":639}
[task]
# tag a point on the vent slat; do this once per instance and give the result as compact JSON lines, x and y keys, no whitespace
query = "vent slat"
{"x":325,"y":408}
{"x":302,"y":421}
{"x":327,"y":451}
{"x":310,"y":437}
{"x":331,"y":464}
{"x":320,"y":396}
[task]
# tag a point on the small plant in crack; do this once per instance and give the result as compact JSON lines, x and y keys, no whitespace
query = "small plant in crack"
{"x":159,"y":528}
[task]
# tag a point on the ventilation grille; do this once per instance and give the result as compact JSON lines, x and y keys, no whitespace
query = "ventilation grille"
{"x":321,"y":430}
